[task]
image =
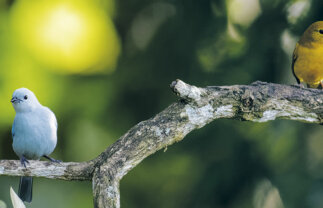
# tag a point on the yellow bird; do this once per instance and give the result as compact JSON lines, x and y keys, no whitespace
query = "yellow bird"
{"x":307,"y":64}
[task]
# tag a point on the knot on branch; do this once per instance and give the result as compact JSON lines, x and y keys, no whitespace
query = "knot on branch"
{"x":247,"y":101}
{"x":188,"y":92}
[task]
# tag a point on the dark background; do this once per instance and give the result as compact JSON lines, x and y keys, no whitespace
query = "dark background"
{"x":228,"y":163}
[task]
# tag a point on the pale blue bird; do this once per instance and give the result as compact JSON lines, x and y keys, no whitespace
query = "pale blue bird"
{"x":34,"y":133}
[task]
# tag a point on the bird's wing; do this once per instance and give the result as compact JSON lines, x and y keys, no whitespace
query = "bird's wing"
{"x":51,"y":116}
{"x":13,"y":129}
{"x":55,"y":121}
{"x":293,"y":62}
{"x":54,"y":118}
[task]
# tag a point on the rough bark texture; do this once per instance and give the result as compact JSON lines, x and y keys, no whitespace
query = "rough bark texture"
{"x":258,"y":102}
{"x":64,"y":171}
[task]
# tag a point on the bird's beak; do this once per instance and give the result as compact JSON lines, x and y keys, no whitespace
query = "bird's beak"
{"x":15,"y":100}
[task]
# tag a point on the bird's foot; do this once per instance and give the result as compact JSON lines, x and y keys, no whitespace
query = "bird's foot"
{"x":52,"y":159}
{"x":23,"y":161}
{"x":299,"y":85}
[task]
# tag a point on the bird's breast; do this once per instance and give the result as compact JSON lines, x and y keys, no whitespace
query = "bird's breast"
{"x":35,"y":135}
{"x":308,"y":66}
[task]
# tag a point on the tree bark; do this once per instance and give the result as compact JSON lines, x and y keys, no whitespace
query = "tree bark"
{"x":258,"y":102}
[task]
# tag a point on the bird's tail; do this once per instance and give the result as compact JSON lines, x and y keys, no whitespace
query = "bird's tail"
{"x":26,"y":188}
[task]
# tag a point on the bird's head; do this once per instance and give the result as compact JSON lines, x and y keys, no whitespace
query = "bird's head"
{"x":313,"y":34}
{"x":24,"y":100}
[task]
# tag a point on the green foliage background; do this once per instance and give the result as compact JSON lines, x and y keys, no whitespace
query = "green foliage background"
{"x":227,"y":164}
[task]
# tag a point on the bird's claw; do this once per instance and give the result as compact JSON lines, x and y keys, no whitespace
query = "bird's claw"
{"x":23,"y":161}
{"x":300,"y":85}
{"x":57,"y":161}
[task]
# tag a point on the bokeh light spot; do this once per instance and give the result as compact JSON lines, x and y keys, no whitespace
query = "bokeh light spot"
{"x":67,"y":36}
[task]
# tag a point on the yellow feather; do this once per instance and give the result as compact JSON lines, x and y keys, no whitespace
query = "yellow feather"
{"x":307,"y":62}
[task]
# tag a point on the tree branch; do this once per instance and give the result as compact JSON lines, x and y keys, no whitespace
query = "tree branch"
{"x":64,"y":171}
{"x":258,"y":102}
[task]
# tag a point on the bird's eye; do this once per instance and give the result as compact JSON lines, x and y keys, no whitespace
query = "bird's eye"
{"x":25,"y":97}
{"x":321,"y":31}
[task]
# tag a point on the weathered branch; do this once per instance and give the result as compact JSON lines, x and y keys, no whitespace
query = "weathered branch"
{"x":65,"y":171}
{"x":258,"y":102}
